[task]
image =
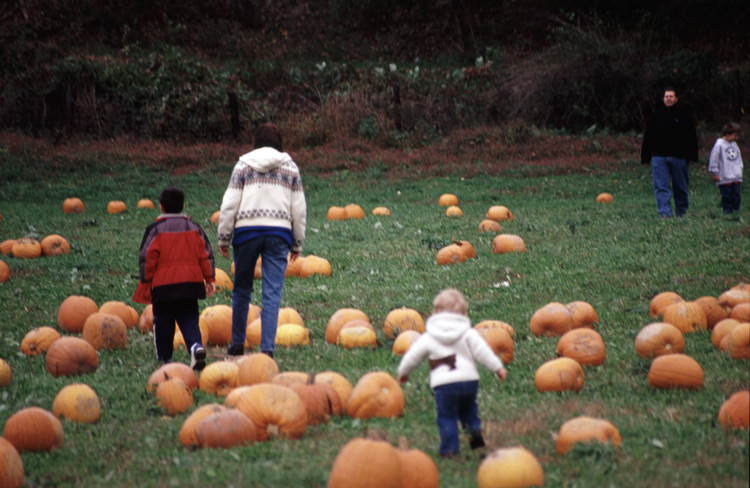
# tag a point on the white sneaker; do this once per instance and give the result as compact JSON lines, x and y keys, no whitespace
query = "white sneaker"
{"x":197,"y":357}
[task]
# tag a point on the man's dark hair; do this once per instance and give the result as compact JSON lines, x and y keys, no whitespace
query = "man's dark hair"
{"x":730,"y":128}
{"x":672,"y":89}
{"x":172,"y":199}
{"x":268,"y":135}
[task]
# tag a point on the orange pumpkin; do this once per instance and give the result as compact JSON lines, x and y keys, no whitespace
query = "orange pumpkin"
{"x":366,"y":463}
{"x":77,"y":402}
{"x":740,"y":312}
{"x":583,"y":314}
{"x":488,"y":225}
{"x":33,"y":429}
{"x":73,"y":313}
{"x":491,"y":324}
{"x":715,"y":313}
{"x":4,"y":272}
{"x":583,"y":345}
{"x":275,"y":410}
{"x":218,"y":320}
{"x":454,"y":211}
{"x":686,"y":316}
{"x":73,"y":205}
{"x":739,"y":342}
{"x":6,"y":247}
{"x":733,"y":297}
{"x":223,"y":281}
{"x":510,"y":467}
{"x":38,"y":340}
{"x":5,"y":373}
{"x":658,"y":339}
{"x":338,"y":382}
{"x":661,"y":301}
{"x":116,"y":206}
{"x":356,"y":337}
{"x":105,"y":331}
{"x":501,"y":342}
{"x":675,"y":371}
{"x":337,"y":213}
{"x":224,"y":429}
{"x":313,"y":265}
{"x":404,"y":341}
{"x":179,"y":341}
{"x":289,"y":335}
{"x":289,"y":378}
{"x":605,"y":198}
{"x":558,"y":375}
{"x":71,"y":356}
{"x":341,"y":317}
{"x":146,"y":320}
{"x":288,"y":315}
{"x":354,"y":211}
{"x":321,"y":401}
{"x":376,"y":394}
{"x":172,"y":370}
{"x":447,"y":199}
{"x":219,"y":378}
{"x":174,"y":396}
{"x":215,"y":217}
{"x":381,"y":211}
{"x":145,"y":203}
{"x":586,"y":429}
{"x":735,"y":412}
{"x":498,"y":213}
{"x":26,"y":248}
{"x":11,"y":466}
{"x":451,"y":254}
{"x":187,"y":431}
{"x":122,"y":310}
{"x":253,"y":333}
{"x":553,"y":319}
{"x":401,"y":319}
{"x":256,"y":368}
{"x":54,"y":245}
{"x":293,"y":267}
{"x":721,"y":330}
{"x":469,"y":250}
{"x":418,"y":470}
{"x":505,"y":243}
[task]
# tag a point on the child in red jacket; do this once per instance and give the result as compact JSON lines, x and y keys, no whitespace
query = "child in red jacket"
{"x":176,"y":270}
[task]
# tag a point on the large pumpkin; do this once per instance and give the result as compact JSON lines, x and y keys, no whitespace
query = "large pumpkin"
{"x":401,"y":319}
{"x":553,"y":319}
{"x":77,"y":402}
{"x":658,"y":339}
{"x":74,"y":311}
{"x":510,"y":467}
{"x":501,"y":342}
{"x":71,"y":356}
{"x":354,"y":211}
{"x":339,"y":318}
{"x":11,"y":466}
{"x":721,"y":330}
{"x":337,"y":213}
{"x":451,"y":254}
{"x":187,"y":431}
{"x":222,"y":280}
{"x":73,"y":205}
{"x":219,"y":378}
{"x":314,"y":265}
{"x":218,"y":320}
{"x":256,"y":368}
{"x":54,"y":245}
{"x":321,"y":401}
{"x":586,"y":429}
{"x":733,"y":297}
{"x":675,"y":371}
{"x":26,"y":248}
{"x":505,"y":243}
{"x":174,"y":396}
{"x":558,"y":375}
{"x":172,"y":370}
{"x":289,"y":335}
{"x":583,"y":345}
{"x":376,"y":394}
{"x":499,"y":212}
{"x":404,"y":341}
{"x":661,"y":301}
{"x":275,"y":410}
{"x":686,"y":316}
{"x":288,"y":315}
{"x":739,"y":342}
{"x":293,"y":267}
{"x":338,"y":382}
{"x":583,"y":314}
{"x":224,"y":429}
{"x":715,"y":313}
{"x":447,"y":199}
{"x":128,"y":314}
{"x":740,"y":312}
{"x":366,"y":463}
{"x":735,"y":412}
{"x":33,"y":429}
{"x":289,"y":378}
{"x":353,"y":337}
{"x":105,"y":331}
{"x":417,"y":468}
{"x":491,"y":324}
{"x":38,"y":340}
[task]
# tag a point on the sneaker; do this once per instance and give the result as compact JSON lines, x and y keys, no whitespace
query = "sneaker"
{"x":476,"y":441}
{"x":268,"y":353}
{"x":197,"y":357}
{"x":236,"y":350}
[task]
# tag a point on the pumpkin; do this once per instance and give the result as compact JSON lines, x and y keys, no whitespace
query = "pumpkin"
{"x":174,"y":396}
{"x":288,"y":315}
{"x":224,"y":429}
{"x":741,"y":312}
{"x":675,"y":371}
{"x":661,"y":301}
{"x":105,"y":331}
{"x":404,"y":341}
{"x":11,"y":466}
{"x":289,"y":378}
{"x":146,"y":320}
{"x":6,"y":247}
{"x":38,"y":340}
{"x":498,"y":213}
{"x":510,"y":467}
{"x":321,"y":401}
{"x":583,"y":345}
{"x":187,"y":431}
{"x":223,"y":281}
{"x":73,"y":205}
{"x":447,"y":200}
{"x":293,"y":267}
{"x":172,"y":370}
{"x":451,"y":254}
{"x":505,"y":243}
{"x":553,"y":319}
{"x":71,"y":356}
{"x":253,"y":333}
{"x":215,"y":217}
{"x":366,"y":463}
{"x":74,"y":311}
{"x":338,"y":382}
{"x":453,"y":211}
{"x":145,"y":203}
{"x":26,"y":248}
{"x":488,"y":225}
{"x":586,"y":429}
{"x":735,"y":412}
{"x":381,"y":211}
{"x":732,"y":298}
{"x":355,"y":337}
{"x":741,"y":286}
{"x":289,"y":335}
{"x":275,"y":410}
{"x":179,"y":341}
{"x":658,"y":339}
{"x":469,"y":250}
{"x":418,"y":470}
{"x":116,"y":206}
{"x":256,"y":368}
{"x":604,"y":198}
{"x":401,"y":319}
{"x":5,"y":373}
{"x":122,"y":310}
{"x":376,"y":394}
{"x":491,"y":324}
{"x":313,"y":265}
{"x":77,"y":402}
{"x":558,"y":375}
{"x":54,"y":245}
{"x":686,"y":316}
{"x":500,"y":342}
{"x":4,"y":272}
{"x":721,"y":330}
{"x":337,"y":213}
{"x":218,"y":320}
{"x":33,"y":429}
{"x":339,"y":318}
{"x":219,"y":378}
{"x":354,"y":211}
{"x":739,"y":342}
{"x":715,"y":313}
{"x":583,"y":314}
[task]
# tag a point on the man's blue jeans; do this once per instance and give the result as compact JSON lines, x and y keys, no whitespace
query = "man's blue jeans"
{"x":274,"y":251}
{"x":456,"y":402}
{"x":664,"y":168}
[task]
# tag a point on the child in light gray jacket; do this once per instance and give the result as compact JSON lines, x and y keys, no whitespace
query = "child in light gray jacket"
{"x":725,"y":164}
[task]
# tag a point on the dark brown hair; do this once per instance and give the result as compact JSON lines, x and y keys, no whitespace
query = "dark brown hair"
{"x":729,"y":129}
{"x":268,"y":135}
{"x":172,"y":199}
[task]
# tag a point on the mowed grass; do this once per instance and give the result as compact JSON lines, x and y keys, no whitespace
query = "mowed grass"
{"x":615,"y":257}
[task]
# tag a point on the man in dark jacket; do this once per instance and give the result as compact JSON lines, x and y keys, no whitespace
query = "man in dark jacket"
{"x":670,"y":143}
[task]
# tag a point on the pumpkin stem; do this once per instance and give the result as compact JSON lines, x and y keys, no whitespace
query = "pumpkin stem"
{"x":272,"y":430}
{"x":310,"y":378}
{"x":403,"y":444}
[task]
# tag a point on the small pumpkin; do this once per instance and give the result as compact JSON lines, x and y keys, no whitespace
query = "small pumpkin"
{"x":715,"y":313}
{"x":508,"y":467}
{"x":54,"y":245}
{"x":215,"y":217}
{"x":376,"y":394}
{"x":721,"y":330}
{"x":451,"y":254}
{"x":145,"y":203}
{"x":105,"y":331}
{"x":605,"y":198}
{"x":218,"y":320}
{"x":675,"y":371}
{"x":33,"y":429}
{"x":146,"y":320}
{"x":498,"y":213}
{"x":5,"y":374}
{"x":338,"y":382}
{"x":172,"y":370}
{"x":559,"y":375}
{"x":583,"y":345}
{"x":73,"y":206}
{"x":223,"y":281}
{"x":740,"y":312}
{"x":77,"y":402}
{"x":658,"y":339}
{"x":337,"y":213}
{"x":501,"y":342}
{"x":11,"y":466}
{"x":289,"y":335}
{"x":38,"y":340}
{"x":418,"y":470}
{"x":366,"y":463}
{"x":224,"y":429}
{"x":179,"y":340}
{"x":256,"y":368}
{"x":553,"y":319}
{"x":321,"y":401}
{"x":454,"y":211}
{"x":488,"y":225}
{"x":686,"y":316}
{"x":401,"y":319}
{"x":341,"y":317}
{"x":735,"y":412}
{"x":293,"y":267}
{"x":74,"y":311}
{"x":739,"y":342}
{"x":357,"y":337}
{"x":733,"y":297}
{"x":26,"y":248}
{"x":354,"y":211}
{"x":219,"y":378}
{"x":174,"y":396}
{"x":6,"y":247}
{"x":447,"y":199}
{"x":313,"y":265}
{"x":116,"y":206}
{"x":491,"y":324}
{"x":253,"y":333}
{"x":4,"y":272}
{"x":661,"y":301}
{"x":583,"y":314}
{"x":584,"y":430}
{"x":187,"y":431}
{"x":505,"y":243}
{"x":469,"y":250}
{"x":381,"y":211}
{"x":71,"y":356}
{"x":122,"y":310}
{"x":404,"y":341}
{"x":275,"y":410}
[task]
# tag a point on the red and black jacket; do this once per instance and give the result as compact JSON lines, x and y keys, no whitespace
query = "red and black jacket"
{"x":174,"y":260}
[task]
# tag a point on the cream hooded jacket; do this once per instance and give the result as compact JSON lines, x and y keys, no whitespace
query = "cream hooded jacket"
{"x":265,"y":190}
{"x":450,"y":334}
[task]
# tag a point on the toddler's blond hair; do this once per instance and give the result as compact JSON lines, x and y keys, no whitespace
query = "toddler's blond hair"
{"x":450,"y":300}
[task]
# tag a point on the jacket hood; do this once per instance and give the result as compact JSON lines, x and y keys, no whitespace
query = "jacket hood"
{"x":265,"y":159}
{"x":447,"y":327}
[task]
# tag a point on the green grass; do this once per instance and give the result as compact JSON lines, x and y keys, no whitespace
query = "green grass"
{"x":616,"y":257}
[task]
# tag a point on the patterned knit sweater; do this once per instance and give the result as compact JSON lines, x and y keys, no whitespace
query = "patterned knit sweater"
{"x":265,"y":190}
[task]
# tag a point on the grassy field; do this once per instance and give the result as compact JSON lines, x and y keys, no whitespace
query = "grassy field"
{"x":616,"y":257}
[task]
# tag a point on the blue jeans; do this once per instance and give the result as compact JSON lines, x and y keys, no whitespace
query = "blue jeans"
{"x":664,"y":168}
{"x":274,"y":252}
{"x":456,"y":402}
{"x":185,"y":313}
{"x":730,"y":197}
